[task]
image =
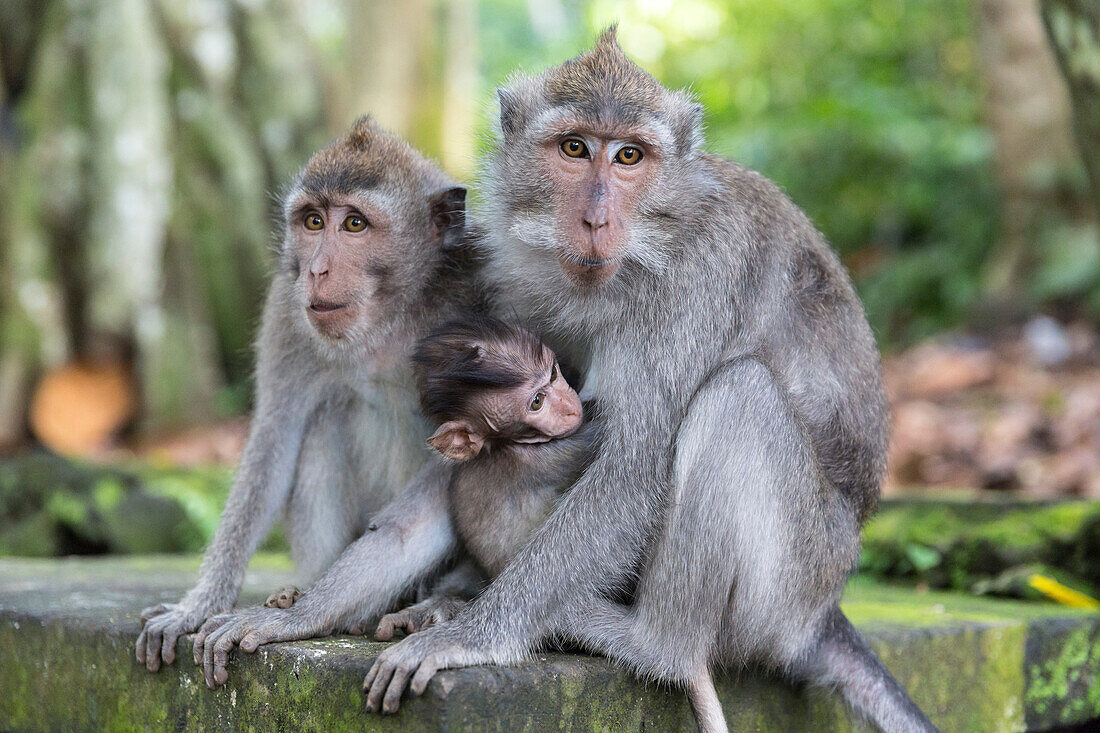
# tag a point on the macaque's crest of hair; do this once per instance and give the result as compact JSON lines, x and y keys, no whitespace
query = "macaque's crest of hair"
{"x":367,"y":157}
{"x":606,"y":87}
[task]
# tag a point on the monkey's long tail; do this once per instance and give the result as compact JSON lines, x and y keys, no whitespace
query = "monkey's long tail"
{"x":843,"y":660}
{"x":704,"y":701}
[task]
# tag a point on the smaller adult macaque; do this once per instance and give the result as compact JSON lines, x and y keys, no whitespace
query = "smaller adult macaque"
{"x":373,"y":254}
{"x":506,"y":413}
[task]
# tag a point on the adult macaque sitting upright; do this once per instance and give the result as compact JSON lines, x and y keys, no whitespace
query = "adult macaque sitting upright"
{"x":369,"y":260}
{"x":744,"y":424}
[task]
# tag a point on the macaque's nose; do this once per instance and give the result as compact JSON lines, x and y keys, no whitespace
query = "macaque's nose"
{"x":596,"y":213}
{"x":318,"y":269}
{"x":595,"y":216}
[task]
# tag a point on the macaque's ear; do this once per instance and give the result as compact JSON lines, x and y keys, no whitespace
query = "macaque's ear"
{"x":449,"y":214}
{"x":510,"y":114}
{"x":457,"y":440}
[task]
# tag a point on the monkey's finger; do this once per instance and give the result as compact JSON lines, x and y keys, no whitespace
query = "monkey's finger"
{"x":253,"y":639}
{"x":371,"y":674}
{"x":153,"y":611}
{"x":392,"y":699}
{"x":272,"y":601}
{"x":208,"y":666}
{"x":431,"y":664}
{"x":167,"y":649}
{"x":197,"y":647}
{"x":153,"y":642}
{"x":378,"y":687}
{"x":207,"y":629}
{"x":222,"y":648}
{"x":139,"y":647}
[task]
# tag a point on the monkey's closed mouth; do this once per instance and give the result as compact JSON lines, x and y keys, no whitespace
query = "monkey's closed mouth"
{"x":323,"y":307}
{"x":593,"y":263}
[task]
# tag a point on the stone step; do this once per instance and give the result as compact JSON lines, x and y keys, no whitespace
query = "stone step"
{"x":66,"y":663}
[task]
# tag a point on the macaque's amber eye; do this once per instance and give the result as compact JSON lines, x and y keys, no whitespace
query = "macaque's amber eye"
{"x":314,"y":222}
{"x":355,"y":223}
{"x":574,"y":148}
{"x":629,"y":155}
{"x":536,"y":402}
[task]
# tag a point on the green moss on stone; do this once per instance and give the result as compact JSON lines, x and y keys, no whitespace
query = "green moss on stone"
{"x":955,"y":545}
{"x":1062,"y":678}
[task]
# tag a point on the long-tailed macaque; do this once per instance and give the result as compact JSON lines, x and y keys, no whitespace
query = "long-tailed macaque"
{"x":369,"y":260}
{"x":743,"y":421}
{"x":744,"y":425}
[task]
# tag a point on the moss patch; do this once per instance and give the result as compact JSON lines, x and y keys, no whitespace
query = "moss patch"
{"x":965,"y":545}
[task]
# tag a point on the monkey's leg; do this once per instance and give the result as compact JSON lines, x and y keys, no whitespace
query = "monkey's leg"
{"x":615,"y":631}
{"x":752,"y":558}
{"x":320,"y":519}
{"x":755,"y":511}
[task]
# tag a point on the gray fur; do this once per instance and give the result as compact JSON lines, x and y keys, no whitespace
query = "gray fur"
{"x":744,"y":431}
{"x":500,"y":498}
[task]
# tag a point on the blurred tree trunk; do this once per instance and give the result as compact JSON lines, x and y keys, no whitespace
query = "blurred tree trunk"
{"x":32,"y":328}
{"x":140,"y":142}
{"x":386,"y":43}
{"x":460,"y":92}
{"x":1028,"y":112}
{"x":136,"y":288}
{"x":1074,"y":29}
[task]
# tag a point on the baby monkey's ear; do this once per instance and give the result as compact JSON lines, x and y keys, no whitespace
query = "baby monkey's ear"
{"x":457,"y":440}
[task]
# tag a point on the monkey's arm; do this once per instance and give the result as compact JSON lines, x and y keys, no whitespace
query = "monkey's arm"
{"x":590,"y":545}
{"x":412,"y":537}
{"x":259,"y":491}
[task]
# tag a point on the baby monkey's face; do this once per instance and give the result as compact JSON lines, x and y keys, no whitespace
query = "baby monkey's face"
{"x":541,"y":409}
{"x":536,"y":406}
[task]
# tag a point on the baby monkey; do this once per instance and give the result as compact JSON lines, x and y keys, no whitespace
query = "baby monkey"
{"x":506,"y":413}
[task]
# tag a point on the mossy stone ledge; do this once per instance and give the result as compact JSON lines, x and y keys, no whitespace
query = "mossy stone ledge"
{"x":66,"y":663}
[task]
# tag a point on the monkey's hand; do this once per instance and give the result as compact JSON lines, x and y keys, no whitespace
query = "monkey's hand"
{"x":418,"y":617}
{"x":161,"y":626}
{"x":284,"y":597}
{"x":413,"y":661}
{"x":248,"y":628}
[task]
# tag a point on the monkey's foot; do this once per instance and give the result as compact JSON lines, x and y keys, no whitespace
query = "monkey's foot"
{"x":419,"y":616}
{"x":413,"y":661}
{"x":285,"y":597}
